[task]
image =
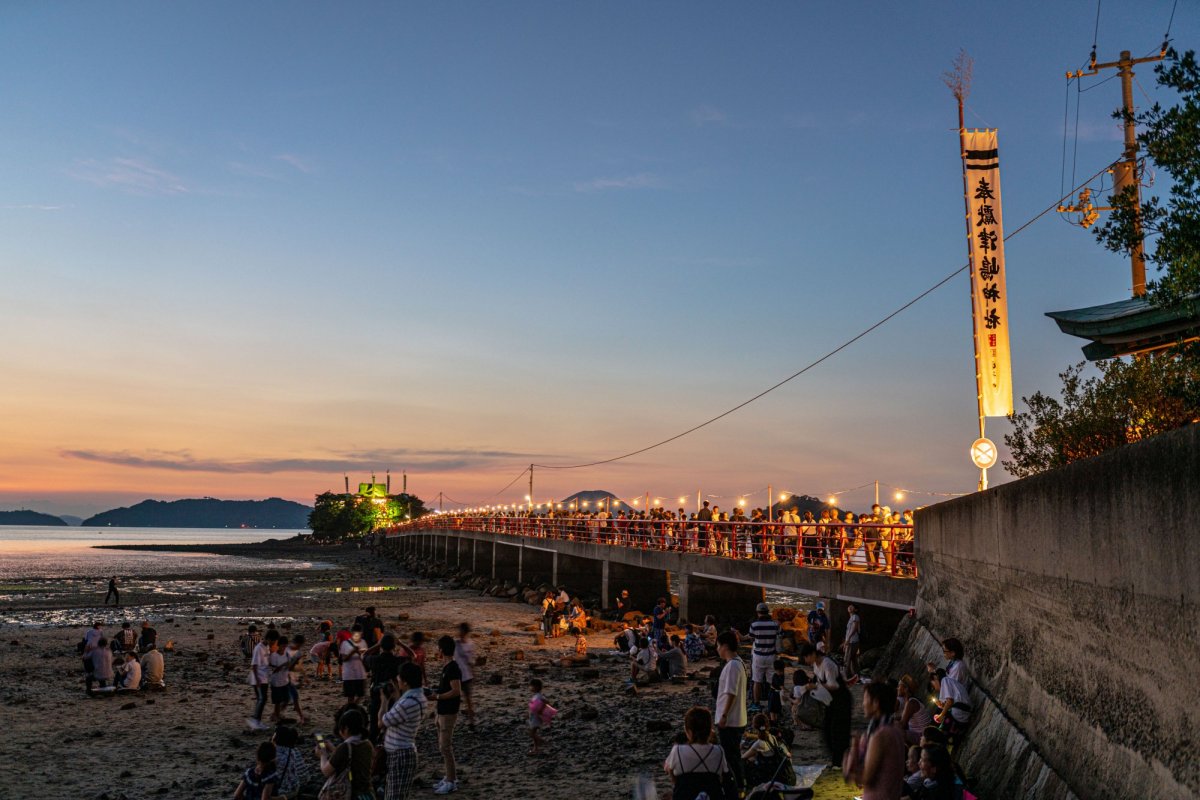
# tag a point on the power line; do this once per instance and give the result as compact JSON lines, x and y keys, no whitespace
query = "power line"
{"x":811,"y":365}
{"x":820,"y":360}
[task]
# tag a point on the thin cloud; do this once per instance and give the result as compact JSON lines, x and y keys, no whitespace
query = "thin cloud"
{"x":642,"y":180}
{"x":708,"y":115}
{"x":32,"y":207}
{"x":132,"y":175}
{"x":183,"y":461}
{"x":298,"y":162}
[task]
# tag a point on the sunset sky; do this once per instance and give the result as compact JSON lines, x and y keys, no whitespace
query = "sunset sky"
{"x":246,"y":248}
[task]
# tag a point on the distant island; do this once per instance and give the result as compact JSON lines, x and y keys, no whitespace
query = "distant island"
{"x":205,"y":513}
{"x":71,"y":519}
{"x":29,"y":518}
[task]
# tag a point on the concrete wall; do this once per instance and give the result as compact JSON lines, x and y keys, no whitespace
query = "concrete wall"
{"x":1076,"y":594}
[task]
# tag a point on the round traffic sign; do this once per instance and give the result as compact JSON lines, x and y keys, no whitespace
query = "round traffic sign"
{"x":983,"y":453}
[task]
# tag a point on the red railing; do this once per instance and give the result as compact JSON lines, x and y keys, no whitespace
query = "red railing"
{"x":886,"y":549}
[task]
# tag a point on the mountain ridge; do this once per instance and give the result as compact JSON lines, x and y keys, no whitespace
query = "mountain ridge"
{"x":26,"y":517}
{"x":208,"y":512}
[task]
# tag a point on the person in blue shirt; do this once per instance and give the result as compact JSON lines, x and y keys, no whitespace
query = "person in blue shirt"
{"x":659,"y":618}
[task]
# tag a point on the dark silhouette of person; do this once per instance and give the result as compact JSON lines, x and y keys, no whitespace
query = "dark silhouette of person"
{"x":112,"y":592}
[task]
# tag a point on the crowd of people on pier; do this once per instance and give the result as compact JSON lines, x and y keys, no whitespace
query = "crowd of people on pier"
{"x":881,"y":540}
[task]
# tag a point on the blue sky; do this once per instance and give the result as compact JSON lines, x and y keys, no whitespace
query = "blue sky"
{"x":248,"y":247}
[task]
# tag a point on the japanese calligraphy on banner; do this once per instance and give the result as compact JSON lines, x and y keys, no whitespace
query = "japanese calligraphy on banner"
{"x":981,"y":160}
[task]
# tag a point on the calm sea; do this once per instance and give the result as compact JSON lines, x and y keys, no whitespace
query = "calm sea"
{"x":56,"y":576}
{"x":54,"y":552}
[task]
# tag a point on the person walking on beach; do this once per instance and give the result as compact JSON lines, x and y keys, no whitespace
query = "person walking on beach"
{"x":295,"y":669}
{"x":279,"y":679}
{"x":112,"y":592}
{"x":354,"y":671}
{"x":464,"y":654}
{"x":850,"y":644}
{"x":449,"y":698}
{"x":764,"y":631}
{"x":540,"y":714}
{"x":731,"y":705}
{"x":260,"y":678}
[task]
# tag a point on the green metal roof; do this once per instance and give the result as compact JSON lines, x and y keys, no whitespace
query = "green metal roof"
{"x":1130,"y":326}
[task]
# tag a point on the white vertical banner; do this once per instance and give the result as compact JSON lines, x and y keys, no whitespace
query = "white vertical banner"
{"x":981,"y":161}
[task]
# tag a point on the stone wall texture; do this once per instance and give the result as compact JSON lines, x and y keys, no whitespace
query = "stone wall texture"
{"x":1076,"y":595}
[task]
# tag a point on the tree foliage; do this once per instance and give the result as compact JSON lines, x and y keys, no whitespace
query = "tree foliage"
{"x":1132,"y":399}
{"x":1170,"y":137}
{"x":339,"y":516}
{"x":1128,"y":401}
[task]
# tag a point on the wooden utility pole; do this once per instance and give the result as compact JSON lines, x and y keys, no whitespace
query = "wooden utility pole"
{"x":531,"y":489}
{"x":1128,"y":175}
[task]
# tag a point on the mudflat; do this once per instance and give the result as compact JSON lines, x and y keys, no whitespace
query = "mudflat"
{"x":191,"y":740}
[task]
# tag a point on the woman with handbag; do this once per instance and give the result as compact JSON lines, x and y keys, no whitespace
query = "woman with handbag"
{"x":347,"y":767}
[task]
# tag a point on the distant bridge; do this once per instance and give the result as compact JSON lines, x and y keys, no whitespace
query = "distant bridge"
{"x":603,"y":559}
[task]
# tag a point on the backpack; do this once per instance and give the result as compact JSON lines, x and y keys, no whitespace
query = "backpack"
{"x":774,"y":766}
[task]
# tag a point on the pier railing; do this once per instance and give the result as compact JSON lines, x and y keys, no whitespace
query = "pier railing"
{"x":885,"y":549}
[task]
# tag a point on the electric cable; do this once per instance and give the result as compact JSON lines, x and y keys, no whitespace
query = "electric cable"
{"x":1170,"y":22}
{"x":809,"y":366}
{"x":818,"y":361}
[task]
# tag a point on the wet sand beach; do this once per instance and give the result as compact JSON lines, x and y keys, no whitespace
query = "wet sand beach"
{"x":191,"y":741}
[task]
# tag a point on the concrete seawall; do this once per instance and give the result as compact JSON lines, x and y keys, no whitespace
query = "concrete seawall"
{"x":1077,"y":595}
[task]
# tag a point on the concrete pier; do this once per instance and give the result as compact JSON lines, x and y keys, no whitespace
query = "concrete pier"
{"x":707,"y":585}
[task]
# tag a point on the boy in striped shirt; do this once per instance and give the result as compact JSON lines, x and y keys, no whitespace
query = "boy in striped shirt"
{"x":764,"y":632}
